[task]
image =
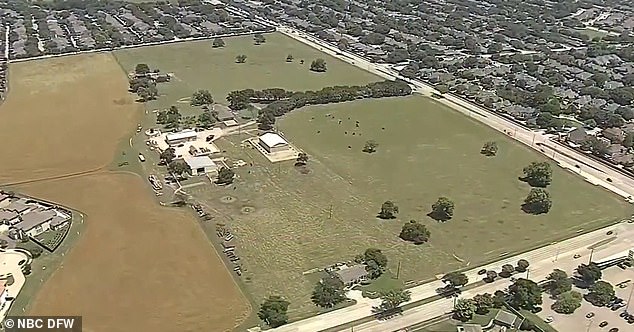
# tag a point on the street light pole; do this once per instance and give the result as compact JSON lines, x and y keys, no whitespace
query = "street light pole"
{"x":590,"y":259}
{"x":629,"y":299}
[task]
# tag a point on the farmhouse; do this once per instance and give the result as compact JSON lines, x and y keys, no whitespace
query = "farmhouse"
{"x":352,"y":274}
{"x":272,"y":142}
{"x":173,"y":139}
{"x":201,"y":165}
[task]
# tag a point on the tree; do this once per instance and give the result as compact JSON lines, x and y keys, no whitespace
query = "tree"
{"x":567,"y":302}
{"x":266,"y":120}
{"x":273,"y":311}
{"x":370,"y":146}
{"x":499,"y":299}
{"x":558,"y":282}
{"x":589,"y":273}
{"x":522,"y":265}
{"x":289,"y":58}
{"x":442,"y":210}
{"x":489,"y":149}
{"x":537,"y":202}
{"x":168,"y":155}
{"x":318,"y":65}
{"x":388,"y":210}
{"x":217,"y":42}
{"x":538,"y":174}
{"x":601,"y":293}
{"x":302,"y":159}
{"x":491,"y":275}
{"x":225,"y":176}
{"x":178,"y":167}
{"x":4,"y":244}
{"x":455,"y":280}
{"x":258,"y":38}
{"x":375,"y":261}
{"x":241,"y":58}
{"x":328,"y":292}
{"x":205,"y":120}
{"x":392,"y":299}
{"x":483,"y":303}
{"x":464,"y":309}
{"x":142,"y":69}
{"x":202,"y":97}
{"x":525,"y":294}
{"x":415,"y":232}
{"x":507,"y":270}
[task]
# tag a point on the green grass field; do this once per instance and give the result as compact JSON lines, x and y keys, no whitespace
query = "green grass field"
{"x":282,"y":218}
{"x":196,"y":65}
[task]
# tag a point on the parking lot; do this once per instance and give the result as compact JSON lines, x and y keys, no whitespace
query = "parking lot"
{"x":579,"y":321}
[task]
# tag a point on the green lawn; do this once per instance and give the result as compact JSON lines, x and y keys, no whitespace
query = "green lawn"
{"x":196,"y":65}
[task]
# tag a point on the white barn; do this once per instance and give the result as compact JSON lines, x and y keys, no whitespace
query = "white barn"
{"x":181,"y":137}
{"x":272,"y":142}
{"x":201,"y":165}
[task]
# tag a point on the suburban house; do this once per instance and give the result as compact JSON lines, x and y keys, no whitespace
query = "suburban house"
{"x":272,"y":142}
{"x":173,"y":139}
{"x":25,"y":216}
{"x":350,"y":275}
{"x":222,"y":113}
{"x":577,"y":136}
{"x":39,"y":221}
{"x":201,"y":165}
{"x":615,"y":135}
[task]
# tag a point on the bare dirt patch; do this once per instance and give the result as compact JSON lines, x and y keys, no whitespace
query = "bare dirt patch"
{"x":136,"y":266}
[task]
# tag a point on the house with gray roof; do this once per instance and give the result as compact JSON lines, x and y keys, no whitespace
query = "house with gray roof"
{"x":577,"y":136}
{"x":35,"y":222}
{"x":352,"y":274}
{"x":505,"y":318}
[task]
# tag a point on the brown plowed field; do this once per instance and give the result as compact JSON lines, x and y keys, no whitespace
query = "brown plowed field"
{"x":137,"y":266}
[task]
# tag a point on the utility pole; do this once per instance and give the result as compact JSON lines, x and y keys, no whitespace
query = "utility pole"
{"x":528,"y":270}
{"x":398,"y":272}
{"x":533,"y":142}
{"x":591,"y":252}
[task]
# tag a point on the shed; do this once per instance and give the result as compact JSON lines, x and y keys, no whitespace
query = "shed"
{"x":505,"y":318}
{"x":272,"y":142}
{"x":201,"y":165}
{"x":180,"y":137}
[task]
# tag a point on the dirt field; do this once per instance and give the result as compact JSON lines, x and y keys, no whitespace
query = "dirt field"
{"x":137,"y":266}
{"x":281,"y":217}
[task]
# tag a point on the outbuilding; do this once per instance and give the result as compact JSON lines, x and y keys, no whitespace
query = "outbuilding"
{"x":201,"y":165}
{"x":183,"y":136}
{"x":272,"y":142}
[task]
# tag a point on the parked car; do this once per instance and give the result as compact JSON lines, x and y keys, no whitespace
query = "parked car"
{"x":590,"y":315}
{"x":624,"y":314}
{"x":603,"y":324}
{"x":609,"y":233}
{"x":549,"y":319}
{"x":576,"y":256}
{"x":614,"y":329}
{"x":483,"y":271}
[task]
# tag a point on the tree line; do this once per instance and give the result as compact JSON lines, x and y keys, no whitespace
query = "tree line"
{"x":280,"y":101}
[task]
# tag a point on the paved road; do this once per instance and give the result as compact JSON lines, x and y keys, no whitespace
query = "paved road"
{"x":543,"y":261}
{"x":591,"y":170}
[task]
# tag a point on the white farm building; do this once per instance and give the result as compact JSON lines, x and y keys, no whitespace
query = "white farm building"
{"x":272,"y":142}
{"x":201,"y":165}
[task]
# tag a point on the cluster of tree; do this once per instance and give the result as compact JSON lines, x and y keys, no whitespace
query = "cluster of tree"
{"x":589,"y":273}
{"x":240,"y":99}
{"x":169,"y":118}
{"x":442,"y":209}
{"x":241,"y":58}
{"x":558,"y":283}
{"x":217,"y":43}
{"x":375,"y":262}
{"x":392,"y":299}
{"x":225,"y":176}
{"x":480,"y":304}
{"x":567,"y":302}
{"x":525,"y":294}
{"x":258,"y":39}
{"x":537,"y":174}
{"x":318,"y":65}
{"x":601,"y":293}
{"x":328,"y":95}
{"x":490,"y":149}
{"x":273,"y":311}
{"x":144,"y":87}
{"x":453,"y":281}
{"x":328,"y":292}
{"x":201,"y":97}
{"x":389,"y":210}
{"x":415,"y":232}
